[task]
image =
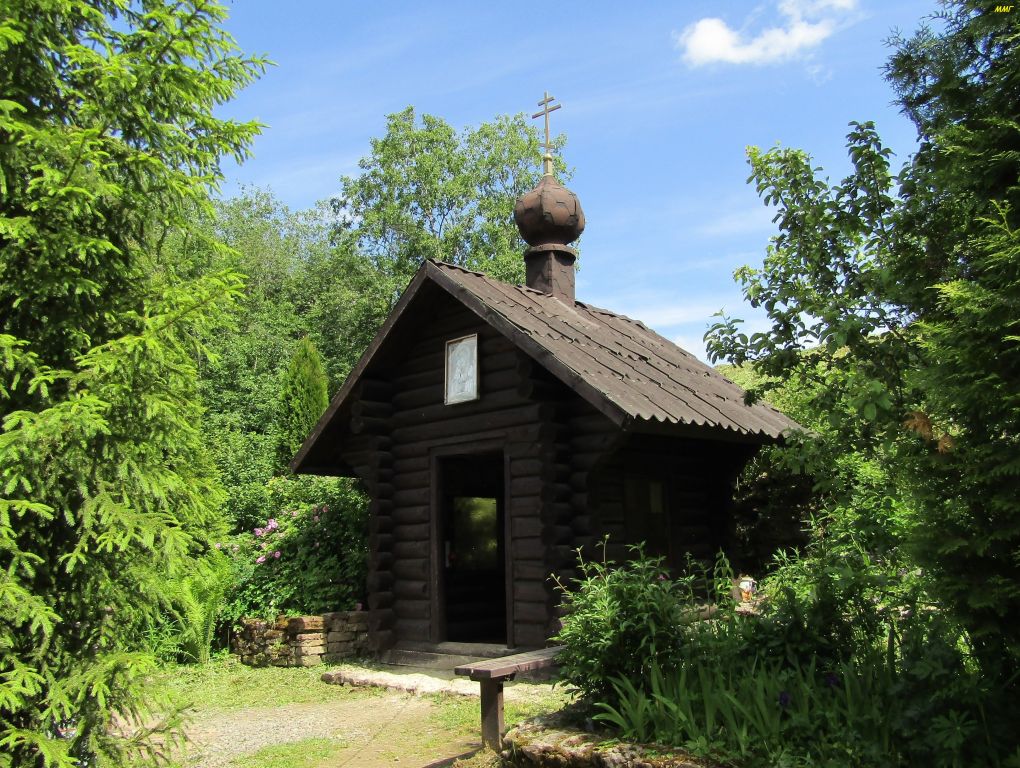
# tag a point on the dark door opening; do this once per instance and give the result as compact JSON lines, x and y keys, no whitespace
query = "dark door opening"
{"x":472,"y":548}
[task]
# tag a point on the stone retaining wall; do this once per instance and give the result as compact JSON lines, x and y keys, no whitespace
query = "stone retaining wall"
{"x":302,"y":641}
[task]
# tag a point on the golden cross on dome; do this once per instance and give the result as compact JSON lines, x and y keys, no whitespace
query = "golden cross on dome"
{"x":547,"y":158}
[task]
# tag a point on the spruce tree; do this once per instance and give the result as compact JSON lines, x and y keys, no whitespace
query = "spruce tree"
{"x":303,"y":399}
{"x":106,"y":493}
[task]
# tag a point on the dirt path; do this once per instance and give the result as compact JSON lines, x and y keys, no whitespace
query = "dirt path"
{"x":276,"y":717}
{"x":390,"y":729}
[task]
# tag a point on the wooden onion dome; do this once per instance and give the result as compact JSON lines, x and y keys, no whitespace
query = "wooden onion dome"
{"x":550,"y":214}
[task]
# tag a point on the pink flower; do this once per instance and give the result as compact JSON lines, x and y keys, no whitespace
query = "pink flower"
{"x":218,"y":545}
{"x":315,"y":518}
{"x":272,"y":525}
{"x":325,"y":508}
{"x":293,"y":513}
{"x":259,"y":531}
{"x":276,"y":554}
{"x":261,"y":559}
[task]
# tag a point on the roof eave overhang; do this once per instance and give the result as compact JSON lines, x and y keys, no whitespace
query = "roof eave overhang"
{"x":702,"y":432}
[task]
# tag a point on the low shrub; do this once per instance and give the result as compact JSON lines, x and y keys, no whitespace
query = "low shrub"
{"x":845,"y":669}
{"x":620,"y":621}
{"x":308,"y":556}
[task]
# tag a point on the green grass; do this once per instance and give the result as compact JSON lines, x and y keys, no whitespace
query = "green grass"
{"x":541,"y":702}
{"x":226,"y":684}
{"x":455,"y":713}
{"x":307,"y":753}
{"x":462,"y":713}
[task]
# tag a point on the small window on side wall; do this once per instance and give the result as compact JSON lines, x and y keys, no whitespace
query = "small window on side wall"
{"x":461,"y":370}
{"x":656,"y":497}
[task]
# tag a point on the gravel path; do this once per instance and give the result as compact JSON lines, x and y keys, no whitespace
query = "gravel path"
{"x":383,"y":721}
{"x":395,"y":728}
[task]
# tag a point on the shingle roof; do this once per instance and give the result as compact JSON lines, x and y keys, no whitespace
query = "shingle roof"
{"x":627,"y":371}
{"x":641,"y":374}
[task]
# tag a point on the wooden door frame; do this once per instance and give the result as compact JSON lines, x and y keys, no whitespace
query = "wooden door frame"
{"x":437,"y":605}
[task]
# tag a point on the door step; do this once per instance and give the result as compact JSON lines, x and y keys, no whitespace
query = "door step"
{"x":442,"y":655}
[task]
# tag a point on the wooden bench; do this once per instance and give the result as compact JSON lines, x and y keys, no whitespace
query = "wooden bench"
{"x":491,"y":674}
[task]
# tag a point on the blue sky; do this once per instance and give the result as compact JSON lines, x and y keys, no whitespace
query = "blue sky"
{"x":659,"y":102}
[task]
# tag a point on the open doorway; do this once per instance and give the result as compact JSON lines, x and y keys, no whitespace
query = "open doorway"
{"x":472,"y":548}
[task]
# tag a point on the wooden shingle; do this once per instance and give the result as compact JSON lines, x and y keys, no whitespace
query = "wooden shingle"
{"x":645,"y":376}
{"x":624,"y":369}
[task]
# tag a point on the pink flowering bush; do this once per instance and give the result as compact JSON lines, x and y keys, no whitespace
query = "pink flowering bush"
{"x":307,"y":556}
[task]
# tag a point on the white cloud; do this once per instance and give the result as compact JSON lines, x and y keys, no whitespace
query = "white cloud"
{"x":739,"y":222}
{"x":805,"y":24}
{"x":693,"y":344}
{"x":661,"y":311}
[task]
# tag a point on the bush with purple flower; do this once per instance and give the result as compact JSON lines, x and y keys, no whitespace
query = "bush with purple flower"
{"x":306,"y":556}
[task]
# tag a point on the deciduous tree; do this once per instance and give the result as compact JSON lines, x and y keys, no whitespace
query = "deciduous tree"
{"x":426,"y":192}
{"x":906,"y":287}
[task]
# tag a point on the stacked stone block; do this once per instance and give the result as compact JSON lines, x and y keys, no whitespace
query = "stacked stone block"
{"x":302,"y":641}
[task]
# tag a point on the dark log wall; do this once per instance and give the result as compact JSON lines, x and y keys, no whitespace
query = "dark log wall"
{"x":405,"y":426}
{"x":577,"y":439}
{"x":566,"y":474}
{"x":697,"y":482}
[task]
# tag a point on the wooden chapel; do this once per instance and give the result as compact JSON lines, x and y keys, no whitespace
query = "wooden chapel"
{"x":497,"y":428}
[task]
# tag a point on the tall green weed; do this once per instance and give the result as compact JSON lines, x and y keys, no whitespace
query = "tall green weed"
{"x":761,"y":714}
{"x":840,"y":669}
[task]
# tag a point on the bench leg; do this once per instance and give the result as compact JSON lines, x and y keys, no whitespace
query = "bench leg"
{"x":492,"y":713}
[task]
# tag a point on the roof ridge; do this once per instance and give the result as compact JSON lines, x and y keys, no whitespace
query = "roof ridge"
{"x":451,"y":265}
{"x":519,"y":287}
{"x":611,"y":313}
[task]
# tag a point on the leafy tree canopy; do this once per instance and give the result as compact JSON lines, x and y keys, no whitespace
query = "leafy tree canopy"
{"x":269,"y":244}
{"x":426,"y":192}
{"x":905,"y":287}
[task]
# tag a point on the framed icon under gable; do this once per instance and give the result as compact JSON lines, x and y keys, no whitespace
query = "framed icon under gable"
{"x":461,"y":370}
